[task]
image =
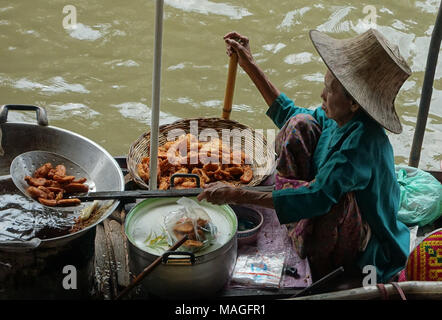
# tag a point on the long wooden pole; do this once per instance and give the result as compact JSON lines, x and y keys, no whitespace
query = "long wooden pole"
{"x":427,"y":91}
{"x":230,"y":86}
{"x":155,"y":118}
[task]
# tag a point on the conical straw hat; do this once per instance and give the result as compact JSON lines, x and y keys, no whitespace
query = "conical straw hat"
{"x":370,"y":69}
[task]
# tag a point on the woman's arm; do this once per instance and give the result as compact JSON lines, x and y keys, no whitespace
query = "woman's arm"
{"x":281,"y":108}
{"x":240,"y":45}
{"x":221,"y":193}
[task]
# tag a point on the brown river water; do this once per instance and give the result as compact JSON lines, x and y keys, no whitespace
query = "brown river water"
{"x":96,"y":80}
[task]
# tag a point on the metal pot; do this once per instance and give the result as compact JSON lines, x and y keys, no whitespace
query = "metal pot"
{"x":18,"y":138}
{"x":35,"y":269}
{"x":191,"y":275}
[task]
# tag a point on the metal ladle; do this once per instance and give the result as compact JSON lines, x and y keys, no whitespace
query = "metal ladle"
{"x":26,"y":163}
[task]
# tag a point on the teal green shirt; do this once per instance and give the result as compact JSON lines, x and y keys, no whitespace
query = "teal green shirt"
{"x":356,"y":157}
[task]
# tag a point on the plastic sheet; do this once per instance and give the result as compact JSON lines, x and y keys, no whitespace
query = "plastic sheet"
{"x":273,"y":240}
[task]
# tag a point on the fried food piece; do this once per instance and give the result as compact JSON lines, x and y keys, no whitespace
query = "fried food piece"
{"x":167,"y":145}
{"x":47,"y":202}
{"x":193,"y":244}
{"x":51,"y":173}
{"x":54,"y":184}
{"x":165,"y":167}
{"x":185,"y":143}
{"x":186,"y":227}
{"x":235,"y":171}
{"x":164,"y":183}
{"x":63,"y":179}
{"x":201,"y":222}
{"x":143,"y":172}
{"x":50,"y":194}
{"x":162,"y":154}
{"x":191,"y":236}
{"x":36,"y":193}
{"x":76,"y":187}
{"x":211,"y":167}
{"x":48,"y":185}
{"x":35,"y":182}
{"x":204,"y":178}
{"x":60,"y":170}
{"x":180,"y":180}
{"x":187,"y":185}
{"x":43,"y":171}
{"x":81,"y":180}
{"x":247,"y":175}
{"x":68,"y":202}
{"x":217,"y":175}
{"x":55,"y":189}
{"x":59,"y":196}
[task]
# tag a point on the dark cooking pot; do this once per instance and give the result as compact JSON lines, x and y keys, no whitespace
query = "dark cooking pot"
{"x":36,"y":268}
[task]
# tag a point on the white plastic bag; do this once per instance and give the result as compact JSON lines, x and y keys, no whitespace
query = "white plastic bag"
{"x":258,"y":270}
{"x":192,"y":220}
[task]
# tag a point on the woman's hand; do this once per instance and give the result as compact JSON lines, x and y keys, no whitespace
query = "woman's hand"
{"x":219,"y":193}
{"x":240,"y":45}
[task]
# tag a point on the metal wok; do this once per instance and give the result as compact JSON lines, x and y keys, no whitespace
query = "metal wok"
{"x":18,"y":137}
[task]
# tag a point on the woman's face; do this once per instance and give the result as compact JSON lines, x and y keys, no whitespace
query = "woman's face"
{"x":335,"y":103}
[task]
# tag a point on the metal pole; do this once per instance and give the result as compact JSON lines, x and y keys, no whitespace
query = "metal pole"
{"x":155,"y":118}
{"x":427,"y":90}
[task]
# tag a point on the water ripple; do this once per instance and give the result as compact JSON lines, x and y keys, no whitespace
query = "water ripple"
{"x":56,"y":85}
{"x":142,"y":113}
{"x":298,"y":58}
{"x":209,"y":7}
{"x":293,"y":18}
{"x":83,"y":32}
{"x":334,"y":23}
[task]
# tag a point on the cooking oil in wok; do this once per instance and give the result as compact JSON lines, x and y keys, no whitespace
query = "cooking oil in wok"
{"x":23,"y":219}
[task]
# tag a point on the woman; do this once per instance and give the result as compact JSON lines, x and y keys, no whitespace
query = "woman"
{"x":335,"y":186}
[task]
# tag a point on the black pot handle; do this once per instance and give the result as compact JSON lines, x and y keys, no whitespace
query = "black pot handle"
{"x":185,"y":175}
{"x":190,"y":261}
{"x":42,"y":118}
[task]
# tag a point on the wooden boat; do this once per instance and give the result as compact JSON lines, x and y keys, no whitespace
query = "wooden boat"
{"x":113,"y":274}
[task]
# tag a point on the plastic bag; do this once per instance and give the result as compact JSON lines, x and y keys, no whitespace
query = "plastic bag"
{"x":421,"y":196}
{"x":259,"y":270}
{"x":193,"y":220}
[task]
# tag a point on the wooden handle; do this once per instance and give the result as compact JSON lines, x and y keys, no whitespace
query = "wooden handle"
{"x":230,"y":87}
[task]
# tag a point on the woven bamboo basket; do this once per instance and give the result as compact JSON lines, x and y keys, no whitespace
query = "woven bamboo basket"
{"x":253,"y":143}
